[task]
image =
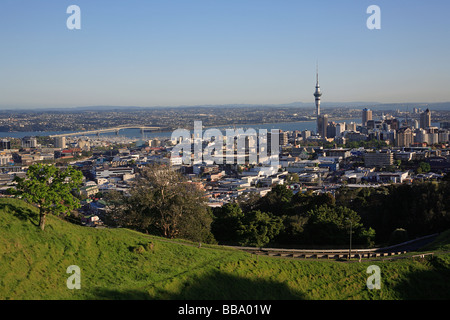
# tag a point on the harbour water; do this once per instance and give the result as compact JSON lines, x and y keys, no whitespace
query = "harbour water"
{"x":137,"y":134}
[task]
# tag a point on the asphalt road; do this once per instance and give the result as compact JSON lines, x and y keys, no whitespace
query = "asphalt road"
{"x":413,"y":246}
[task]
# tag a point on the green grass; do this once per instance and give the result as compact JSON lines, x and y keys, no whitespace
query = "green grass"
{"x":33,"y":266}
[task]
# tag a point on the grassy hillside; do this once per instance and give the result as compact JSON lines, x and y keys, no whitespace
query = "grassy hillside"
{"x":33,"y":266}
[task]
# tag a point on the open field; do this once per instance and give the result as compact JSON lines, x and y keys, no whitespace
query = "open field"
{"x":120,"y":264}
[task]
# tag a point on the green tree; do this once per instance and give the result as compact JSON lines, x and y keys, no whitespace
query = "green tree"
{"x":277,"y":201}
{"x":248,"y":201}
{"x":331,"y":225}
{"x":50,"y":189}
{"x":259,"y":228}
{"x":424,"y":167}
{"x":293,"y":229}
{"x":304,"y":202}
{"x":227,"y":223}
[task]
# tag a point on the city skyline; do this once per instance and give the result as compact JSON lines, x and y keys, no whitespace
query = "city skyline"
{"x":248,"y":52}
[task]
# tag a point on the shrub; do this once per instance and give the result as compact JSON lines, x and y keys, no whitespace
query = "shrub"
{"x":399,"y":235}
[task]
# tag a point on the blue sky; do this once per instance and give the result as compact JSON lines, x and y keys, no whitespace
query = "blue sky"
{"x":189,"y":52}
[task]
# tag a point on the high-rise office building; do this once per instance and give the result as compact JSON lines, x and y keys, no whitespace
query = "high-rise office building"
{"x":5,"y":144}
{"x":29,"y":142}
{"x":331,"y":130}
{"x":350,"y":126}
{"x":378,"y":159}
{"x":443,"y":136}
{"x":366,"y":116}
{"x":60,"y":142}
{"x":322,"y":123}
{"x":306,"y":134}
{"x":340,"y":128}
{"x":283,"y":138}
{"x":421,"y":136}
{"x":425,"y":119}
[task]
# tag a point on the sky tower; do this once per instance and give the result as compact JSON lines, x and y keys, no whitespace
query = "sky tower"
{"x":317,"y":93}
{"x":321,"y":120}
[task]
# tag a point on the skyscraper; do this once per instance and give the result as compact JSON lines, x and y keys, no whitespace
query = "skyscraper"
{"x":322,"y":124}
{"x":366,"y":116}
{"x":425,"y":119}
{"x":5,"y":144}
{"x":29,"y":142}
{"x":60,"y":142}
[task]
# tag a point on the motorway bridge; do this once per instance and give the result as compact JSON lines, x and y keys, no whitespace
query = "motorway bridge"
{"x":114,"y":129}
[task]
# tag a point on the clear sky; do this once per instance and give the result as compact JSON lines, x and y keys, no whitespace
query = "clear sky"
{"x":189,"y":52}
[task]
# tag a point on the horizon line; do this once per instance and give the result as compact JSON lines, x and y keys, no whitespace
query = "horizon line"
{"x":305,"y":104}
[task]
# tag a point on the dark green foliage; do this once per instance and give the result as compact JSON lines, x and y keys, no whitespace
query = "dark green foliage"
{"x":259,"y":228}
{"x":234,"y":227}
{"x":374,"y":143}
{"x":277,"y":201}
{"x":293,"y":229}
{"x":304,"y":202}
{"x":285,"y":218}
{"x":332,"y":225}
{"x":424,"y":167}
{"x":226,"y":223}
{"x":50,"y":189}
{"x":419,"y":208}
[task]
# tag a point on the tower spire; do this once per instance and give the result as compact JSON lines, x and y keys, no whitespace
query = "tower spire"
{"x":317,"y":73}
{"x":317,"y":93}
{"x":321,"y":126}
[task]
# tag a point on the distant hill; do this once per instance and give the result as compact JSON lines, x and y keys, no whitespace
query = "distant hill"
{"x":120,"y":264}
{"x":409,"y":106}
{"x":325,"y":104}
